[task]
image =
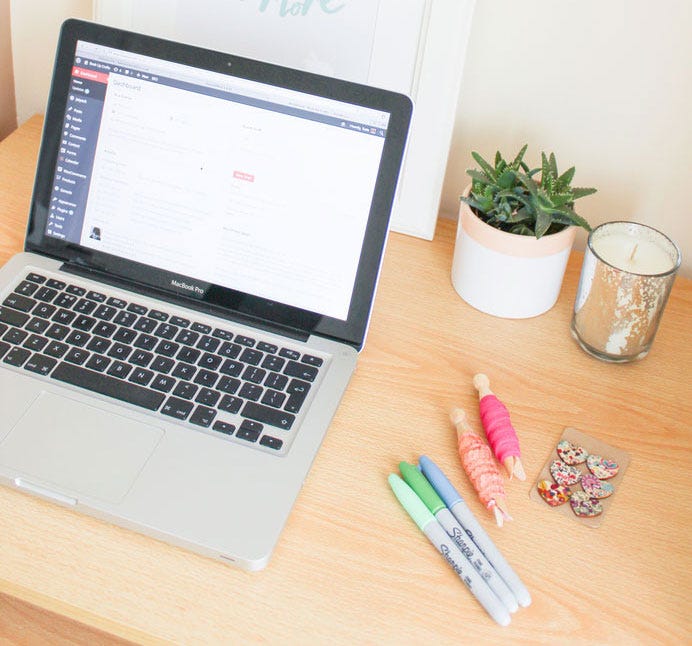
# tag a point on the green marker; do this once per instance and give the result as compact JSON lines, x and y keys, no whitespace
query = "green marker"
{"x":422,"y":516}
{"x":425,"y":491}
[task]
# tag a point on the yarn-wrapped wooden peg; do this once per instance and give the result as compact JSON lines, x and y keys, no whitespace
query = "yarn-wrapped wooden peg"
{"x":498,"y":428}
{"x":480,"y":467}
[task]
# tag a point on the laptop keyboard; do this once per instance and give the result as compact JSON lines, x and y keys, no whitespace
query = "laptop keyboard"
{"x":209,"y":377}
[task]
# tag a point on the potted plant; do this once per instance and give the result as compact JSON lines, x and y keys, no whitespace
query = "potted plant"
{"x":515,"y":234}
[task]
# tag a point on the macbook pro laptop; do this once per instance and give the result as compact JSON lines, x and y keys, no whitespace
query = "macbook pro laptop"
{"x":200,"y":263}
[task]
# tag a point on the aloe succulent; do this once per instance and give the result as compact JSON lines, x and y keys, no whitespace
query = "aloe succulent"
{"x":508,"y":197}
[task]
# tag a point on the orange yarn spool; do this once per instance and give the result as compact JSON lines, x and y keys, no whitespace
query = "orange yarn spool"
{"x":481,"y":468}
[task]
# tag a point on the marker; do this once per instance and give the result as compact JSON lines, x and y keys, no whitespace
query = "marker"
{"x":450,"y":552}
{"x":476,"y":533}
{"x":417,"y":481}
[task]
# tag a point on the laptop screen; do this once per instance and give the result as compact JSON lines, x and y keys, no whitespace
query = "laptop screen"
{"x":216,"y":178}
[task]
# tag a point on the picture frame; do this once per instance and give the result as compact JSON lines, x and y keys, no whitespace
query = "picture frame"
{"x":416,"y":47}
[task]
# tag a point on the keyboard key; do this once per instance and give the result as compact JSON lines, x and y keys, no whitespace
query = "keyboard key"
{"x":56,"y":349}
{"x":141,"y":376}
{"x":146,"y":341}
{"x":96,"y":296}
{"x":184,"y":371}
{"x":37,"y":325}
{"x":45,"y":294}
{"x":250,"y":391}
{"x":209,"y":361}
{"x":78,"y":338}
{"x":125,"y":335}
{"x":276,"y":381}
{"x":19,"y":302}
{"x":57,"y":331}
{"x":84,"y":323}
{"x":104,"y":329}
{"x":105,"y":385}
{"x":273,"y":363}
{"x":40,"y":364}
{"x":230,"y":404}
{"x":207,"y":396}
{"x":289,"y":354}
{"x":206,"y":378}
{"x":228,"y":385}
{"x":249,"y":431}
{"x":63,"y":316}
{"x":224,"y":427}
{"x":245,"y":340}
{"x":203,"y":416}
{"x":271,"y":442}
{"x":201,"y":328}
{"x":141,"y":358}
{"x":268,"y":415}
{"x":185,"y":389}
{"x":84,"y":306}
{"x":26,"y":288}
{"x":230,"y":350}
{"x":65,"y":300}
{"x":273,"y":398}
{"x":302,"y":371}
{"x":105,"y":312}
{"x":77,"y":356}
{"x":75,"y":290}
{"x":44,"y":310}
{"x":98,"y":362}
{"x":187,"y":337}
{"x":163,"y":383}
{"x":166,"y":348}
{"x":254,"y":375}
{"x":145,"y":324}
{"x":4,"y":347}
{"x":119,"y":370}
{"x":125,"y":318}
{"x":55,"y":284}
{"x":17,"y":356}
{"x":98,"y":344}
{"x":188,"y":355}
{"x":312,"y":360}
{"x":208,"y":344}
{"x":180,"y":322}
{"x":253,"y":357}
{"x":232,"y":368}
{"x":162,"y":364}
{"x":15,"y":336}
{"x":35,"y":343}
{"x":177,"y":408}
{"x":166,"y":331}
{"x":116,"y":302}
{"x":267,"y":347}
{"x":222,"y":334}
{"x":36,"y":278}
{"x":12,"y":317}
{"x":137,"y":309}
{"x":120,"y":351}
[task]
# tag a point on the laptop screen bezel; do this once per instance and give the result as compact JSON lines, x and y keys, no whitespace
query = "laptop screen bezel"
{"x":218,"y":299}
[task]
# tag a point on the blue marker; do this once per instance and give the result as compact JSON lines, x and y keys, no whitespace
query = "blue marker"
{"x":475,"y":531}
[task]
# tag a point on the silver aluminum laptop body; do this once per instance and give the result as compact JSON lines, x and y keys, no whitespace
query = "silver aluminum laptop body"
{"x":233,"y":202}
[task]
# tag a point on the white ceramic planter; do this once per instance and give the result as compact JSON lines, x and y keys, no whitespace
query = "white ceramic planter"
{"x":505,"y":274}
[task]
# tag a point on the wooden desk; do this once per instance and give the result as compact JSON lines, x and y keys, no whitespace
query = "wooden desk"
{"x":351,"y":567}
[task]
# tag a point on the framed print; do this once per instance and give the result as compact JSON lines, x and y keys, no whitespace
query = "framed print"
{"x":416,"y":47}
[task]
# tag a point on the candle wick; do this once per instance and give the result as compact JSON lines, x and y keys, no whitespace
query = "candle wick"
{"x":633,"y":252}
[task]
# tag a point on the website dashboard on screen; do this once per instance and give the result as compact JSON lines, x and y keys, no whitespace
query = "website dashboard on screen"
{"x":236,"y":183}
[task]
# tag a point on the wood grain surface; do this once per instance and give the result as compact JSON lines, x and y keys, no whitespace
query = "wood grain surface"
{"x":351,"y":567}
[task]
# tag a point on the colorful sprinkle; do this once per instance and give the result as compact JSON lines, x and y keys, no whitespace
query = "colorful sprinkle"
{"x":554,"y":494}
{"x":585,"y":506}
{"x":571,"y":453}
{"x":601,"y":467}
{"x":564,"y":474}
{"x":596,"y":488}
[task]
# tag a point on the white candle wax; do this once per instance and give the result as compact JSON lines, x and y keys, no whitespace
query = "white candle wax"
{"x":633,"y":253}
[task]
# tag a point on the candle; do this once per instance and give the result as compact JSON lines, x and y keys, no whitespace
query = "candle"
{"x":626,"y":278}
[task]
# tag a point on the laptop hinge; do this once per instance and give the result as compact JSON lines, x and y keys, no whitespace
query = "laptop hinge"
{"x":204,"y":308}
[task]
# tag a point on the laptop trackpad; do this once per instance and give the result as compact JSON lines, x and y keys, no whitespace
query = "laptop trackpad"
{"x":77,"y":448}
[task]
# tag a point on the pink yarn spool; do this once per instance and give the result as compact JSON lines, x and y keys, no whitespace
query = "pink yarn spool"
{"x":498,"y":428}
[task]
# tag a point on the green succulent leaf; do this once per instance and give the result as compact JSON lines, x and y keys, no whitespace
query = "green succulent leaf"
{"x":487,"y":168}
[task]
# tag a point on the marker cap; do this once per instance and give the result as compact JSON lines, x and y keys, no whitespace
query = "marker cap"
{"x":439,"y":481}
{"x":416,"y":480}
{"x":410,"y":501}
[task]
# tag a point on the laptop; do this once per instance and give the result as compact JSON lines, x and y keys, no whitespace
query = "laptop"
{"x":202,"y":253}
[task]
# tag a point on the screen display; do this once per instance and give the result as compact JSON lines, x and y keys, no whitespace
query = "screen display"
{"x":224,"y":180}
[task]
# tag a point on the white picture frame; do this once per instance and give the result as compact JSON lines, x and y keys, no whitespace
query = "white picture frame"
{"x":412,"y":46}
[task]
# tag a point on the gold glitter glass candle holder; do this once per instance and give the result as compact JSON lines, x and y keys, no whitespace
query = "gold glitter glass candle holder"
{"x":626,"y":277}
